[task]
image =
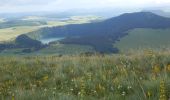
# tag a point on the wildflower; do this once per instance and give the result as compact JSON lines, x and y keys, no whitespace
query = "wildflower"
{"x":162,"y":91}
{"x":55,"y":88}
{"x":38,"y":83}
{"x":13,"y":97}
{"x":82,"y":85}
{"x":45,"y":78}
{"x":153,"y":77}
{"x":112,"y":88}
{"x":123,"y":93}
{"x":34,"y":86}
{"x":156,"y":69}
{"x":71,"y":89}
{"x":53,"y":92}
{"x":149,"y":94}
{"x":94,"y":91}
{"x":100,"y":89}
{"x":45,"y":90}
{"x":129,"y":87}
{"x":104,"y":77}
{"x":168,"y":68}
{"x":89,"y":76}
{"x":119,"y":86}
{"x":149,"y":52}
{"x":140,"y":78}
{"x":116,"y":80}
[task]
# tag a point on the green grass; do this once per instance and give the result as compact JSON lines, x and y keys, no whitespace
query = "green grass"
{"x":55,"y":49}
{"x":13,"y":52}
{"x":74,"y":20}
{"x":109,"y":77}
{"x":145,"y":38}
{"x":64,"y":49}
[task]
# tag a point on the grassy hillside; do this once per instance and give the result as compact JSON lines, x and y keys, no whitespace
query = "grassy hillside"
{"x":145,"y":38}
{"x":64,"y":49}
{"x":7,"y":34}
{"x":116,"y":77}
{"x":57,"y":49}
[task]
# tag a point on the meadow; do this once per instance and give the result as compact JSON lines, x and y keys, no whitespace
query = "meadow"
{"x":9,"y":34}
{"x":52,"y":49}
{"x":143,"y":76}
{"x":64,"y":49}
{"x":140,"y":38}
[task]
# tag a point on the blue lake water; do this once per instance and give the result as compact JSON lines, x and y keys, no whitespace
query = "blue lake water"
{"x":48,"y":40}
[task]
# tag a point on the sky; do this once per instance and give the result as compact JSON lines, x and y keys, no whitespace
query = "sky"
{"x":7,"y":6}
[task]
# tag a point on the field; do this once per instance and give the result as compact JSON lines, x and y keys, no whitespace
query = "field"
{"x":55,"y":49}
{"x":74,"y":20}
{"x":64,"y":49}
{"x":110,"y":77}
{"x":7,"y":34}
{"x":145,"y":38}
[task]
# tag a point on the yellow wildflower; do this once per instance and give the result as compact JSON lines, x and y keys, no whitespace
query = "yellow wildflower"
{"x":45,"y":78}
{"x":13,"y":97}
{"x":168,"y":68}
{"x":149,"y":94}
{"x":162,"y":91}
{"x":156,"y":69}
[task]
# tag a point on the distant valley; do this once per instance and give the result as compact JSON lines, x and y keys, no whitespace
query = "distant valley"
{"x":94,"y":34}
{"x":11,"y":28}
{"x":102,"y":35}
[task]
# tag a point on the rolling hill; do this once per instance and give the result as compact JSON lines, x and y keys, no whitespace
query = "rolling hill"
{"x":143,"y":39}
{"x":102,"y":35}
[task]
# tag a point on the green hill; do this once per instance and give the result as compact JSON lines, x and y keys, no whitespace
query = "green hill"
{"x":142,"y":38}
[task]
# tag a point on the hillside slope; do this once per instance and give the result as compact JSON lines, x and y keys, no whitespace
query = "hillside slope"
{"x":102,"y":35}
{"x":143,"y":38}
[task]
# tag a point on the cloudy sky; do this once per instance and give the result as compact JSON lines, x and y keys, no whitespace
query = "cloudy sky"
{"x":64,"y":5}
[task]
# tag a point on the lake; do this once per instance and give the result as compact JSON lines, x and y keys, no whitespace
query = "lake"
{"x":48,"y":40}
